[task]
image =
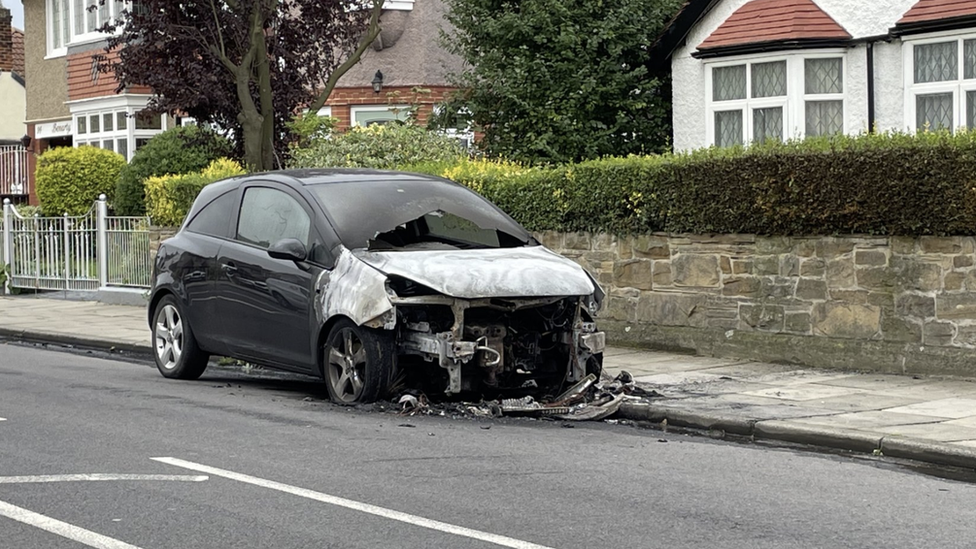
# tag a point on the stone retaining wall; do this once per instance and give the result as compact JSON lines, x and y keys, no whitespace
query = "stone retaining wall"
{"x":883,"y":304}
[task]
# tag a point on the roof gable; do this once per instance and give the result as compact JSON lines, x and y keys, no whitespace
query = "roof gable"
{"x":762,"y":21}
{"x":934,"y":10}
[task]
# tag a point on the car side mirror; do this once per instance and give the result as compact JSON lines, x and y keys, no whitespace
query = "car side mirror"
{"x":289,"y":249}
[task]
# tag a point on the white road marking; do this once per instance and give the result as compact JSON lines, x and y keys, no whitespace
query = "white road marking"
{"x":63,"y":529}
{"x":355,"y":505}
{"x":3,"y":419}
{"x":98,"y":477}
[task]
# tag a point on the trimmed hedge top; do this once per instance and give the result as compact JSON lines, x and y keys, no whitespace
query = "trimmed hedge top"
{"x":888,"y":184}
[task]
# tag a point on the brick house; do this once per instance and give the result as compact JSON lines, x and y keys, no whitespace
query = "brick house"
{"x":69,"y":103}
{"x":13,"y":100}
{"x":749,"y":70}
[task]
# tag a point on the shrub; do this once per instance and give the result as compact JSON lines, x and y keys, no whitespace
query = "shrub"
{"x":182,"y":149}
{"x":378,"y":146}
{"x":69,"y":180}
{"x":169,"y":197}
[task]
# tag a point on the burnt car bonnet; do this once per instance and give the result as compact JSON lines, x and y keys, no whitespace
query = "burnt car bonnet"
{"x":532,"y":271}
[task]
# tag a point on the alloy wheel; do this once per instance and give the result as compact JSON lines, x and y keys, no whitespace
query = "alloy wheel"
{"x":169,"y":337}
{"x":347,"y":365}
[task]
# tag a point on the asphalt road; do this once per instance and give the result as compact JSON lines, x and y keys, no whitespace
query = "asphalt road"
{"x":264,"y":461}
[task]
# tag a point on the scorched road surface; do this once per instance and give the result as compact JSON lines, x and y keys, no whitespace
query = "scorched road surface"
{"x":262,"y":461}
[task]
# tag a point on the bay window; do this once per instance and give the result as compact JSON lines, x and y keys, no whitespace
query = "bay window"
{"x":775,"y":98}
{"x":941,"y":83}
{"x":122,"y":129}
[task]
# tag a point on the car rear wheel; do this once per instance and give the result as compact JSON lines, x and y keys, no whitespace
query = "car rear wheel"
{"x":176,"y":351}
{"x":357,"y":363}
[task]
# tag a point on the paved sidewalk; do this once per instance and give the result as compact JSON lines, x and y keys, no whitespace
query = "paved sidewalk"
{"x":927,"y":419}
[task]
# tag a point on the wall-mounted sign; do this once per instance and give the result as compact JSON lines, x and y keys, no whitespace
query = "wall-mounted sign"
{"x":52,"y":129}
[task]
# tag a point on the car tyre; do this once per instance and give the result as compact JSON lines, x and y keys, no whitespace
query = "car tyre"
{"x":357,"y":363}
{"x":175,"y":349}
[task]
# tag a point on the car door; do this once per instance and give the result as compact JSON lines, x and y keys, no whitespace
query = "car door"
{"x":265,"y":304}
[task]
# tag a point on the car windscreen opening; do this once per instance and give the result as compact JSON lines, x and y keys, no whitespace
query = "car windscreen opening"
{"x":416,"y":214}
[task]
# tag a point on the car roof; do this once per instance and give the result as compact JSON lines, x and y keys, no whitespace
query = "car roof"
{"x":324,"y":176}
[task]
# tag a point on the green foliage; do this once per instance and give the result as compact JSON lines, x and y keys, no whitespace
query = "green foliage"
{"x":69,"y":180}
{"x":169,"y":197}
{"x":309,"y":128}
{"x":378,"y":146}
{"x":560,"y":81}
{"x":182,"y":149}
{"x":890,"y":184}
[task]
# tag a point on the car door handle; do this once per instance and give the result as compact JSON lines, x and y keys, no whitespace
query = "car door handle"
{"x":229,"y":268}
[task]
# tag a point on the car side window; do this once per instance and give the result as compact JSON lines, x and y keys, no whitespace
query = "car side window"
{"x":214,"y":218}
{"x":269,"y":215}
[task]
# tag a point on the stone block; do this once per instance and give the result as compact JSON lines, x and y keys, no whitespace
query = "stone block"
{"x":811,"y":289}
{"x":577,"y":241}
{"x":840,"y":273}
{"x":956,"y":306}
{"x":939,"y":334}
{"x":745,"y":286}
{"x":913,"y":273}
{"x":651,"y":247}
{"x":773,"y":245}
{"x":741,"y":266}
{"x":962,"y":261}
{"x":603,"y":242}
{"x":805,"y":247}
{"x":831,"y":248}
{"x":900,"y":330}
{"x":919,"y":306}
{"x":945,"y":245}
{"x":858,"y":297}
{"x":813,"y":267}
{"x":662,"y":273}
{"x":965,"y":336}
{"x":725,"y":264}
{"x":870,"y":257}
{"x":876,"y":278}
{"x":766,"y":265}
{"x":701,"y":271}
{"x":625,"y":247}
{"x":767,"y":318}
{"x":551,"y":239}
{"x":777,"y":287}
{"x":789,"y":265}
{"x":798,"y":323}
{"x":671,"y":309}
{"x":620,"y":308}
{"x":633,"y":273}
{"x":903,"y":245}
{"x":953,"y":282}
{"x":847,"y":320}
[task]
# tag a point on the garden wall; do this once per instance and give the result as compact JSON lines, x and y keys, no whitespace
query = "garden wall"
{"x":887,"y":304}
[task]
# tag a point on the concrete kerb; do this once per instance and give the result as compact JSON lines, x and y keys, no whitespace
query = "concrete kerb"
{"x":87,"y":342}
{"x":813,"y":435}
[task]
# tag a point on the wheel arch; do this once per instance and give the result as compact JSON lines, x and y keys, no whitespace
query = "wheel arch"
{"x":323,"y":335}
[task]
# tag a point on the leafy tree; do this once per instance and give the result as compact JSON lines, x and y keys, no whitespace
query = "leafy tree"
{"x":561,"y":80}
{"x":244,"y":65}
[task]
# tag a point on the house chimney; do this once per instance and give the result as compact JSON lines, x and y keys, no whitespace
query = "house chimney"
{"x":6,"y":41}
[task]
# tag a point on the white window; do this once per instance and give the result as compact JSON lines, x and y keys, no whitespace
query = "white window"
{"x":76,"y":21}
{"x":119,"y":129}
{"x":941,"y":83}
{"x":370,"y":115}
{"x":775,"y":97}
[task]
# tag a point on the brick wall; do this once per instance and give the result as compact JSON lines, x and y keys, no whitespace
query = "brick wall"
{"x":882,"y":304}
{"x":343,"y":98}
{"x":6,"y":41}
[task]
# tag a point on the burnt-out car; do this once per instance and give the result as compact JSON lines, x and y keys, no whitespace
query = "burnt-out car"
{"x":371,"y":279}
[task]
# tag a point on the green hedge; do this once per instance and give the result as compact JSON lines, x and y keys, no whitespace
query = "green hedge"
{"x":169,"y":197}
{"x":70,"y":179}
{"x":890,"y":184}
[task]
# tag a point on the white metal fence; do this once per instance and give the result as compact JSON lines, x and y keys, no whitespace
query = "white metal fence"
{"x":85,"y":252}
{"x":13,"y":170}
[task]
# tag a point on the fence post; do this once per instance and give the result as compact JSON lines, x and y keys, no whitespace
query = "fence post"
{"x":101,"y":245}
{"x":8,"y":242}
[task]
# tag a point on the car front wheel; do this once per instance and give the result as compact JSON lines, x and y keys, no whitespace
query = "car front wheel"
{"x":357,"y":363}
{"x":176,"y":352}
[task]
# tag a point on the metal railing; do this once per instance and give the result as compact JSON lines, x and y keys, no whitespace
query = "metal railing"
{"x":85,"y":252}
{"x":13,"y":170}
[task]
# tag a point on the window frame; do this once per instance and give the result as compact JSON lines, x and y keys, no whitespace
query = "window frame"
{"x":128,"y":105}
{"x":355,"y":109}
{"x":958,"y":87}
{"x":69,"y":21}
{"x":793,"y":103}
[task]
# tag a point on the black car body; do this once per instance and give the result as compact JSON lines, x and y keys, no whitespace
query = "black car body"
{"x":367,"y":277}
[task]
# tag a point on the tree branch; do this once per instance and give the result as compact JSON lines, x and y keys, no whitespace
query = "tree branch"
{"x":371,"y":33}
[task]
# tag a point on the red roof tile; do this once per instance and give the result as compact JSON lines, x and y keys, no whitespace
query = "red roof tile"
{"x":18,"y":45}
{"x":932,"y":10}
{"x":773,"y":21}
